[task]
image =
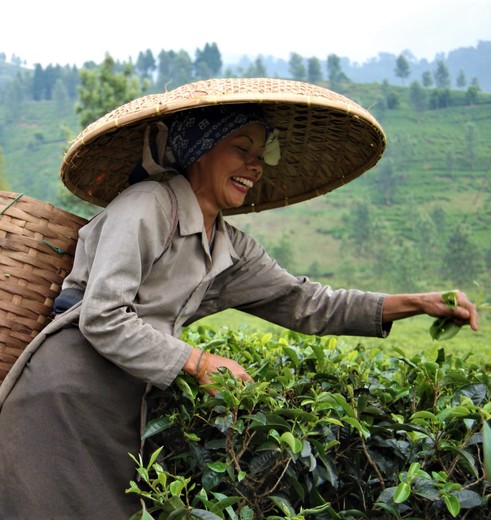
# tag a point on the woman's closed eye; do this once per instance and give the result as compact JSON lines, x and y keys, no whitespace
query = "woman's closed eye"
{"x":247,"y":153}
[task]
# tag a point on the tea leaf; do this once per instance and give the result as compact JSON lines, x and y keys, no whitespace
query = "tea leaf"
{"x":186,"y":389}
{"x":449,"y":298}
{"x":444,"y":328}
{"x":219,"y":467}
{"x":453,"y":412}
{"x":402,"y":493}
{"x":156,"y":426}
{"x":453,"y":504}
{"x":487,"y":449}
{"x":294,"y":443}
{"x":204,"y":515}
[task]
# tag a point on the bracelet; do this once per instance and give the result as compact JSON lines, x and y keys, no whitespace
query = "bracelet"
{"x":199,"y":362}
{"x":200,"y":371}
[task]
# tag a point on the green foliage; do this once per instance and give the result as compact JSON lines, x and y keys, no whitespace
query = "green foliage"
{"x":335,"y":73}
{"x":174,"y":69}
{"x":440,"y":98}
{"x":314,"y":70}
{"x":255,"y":69}
{"x":43,"y":83}
{"x":326,"y":430}
{"x":283,"y":253}
{"x":487,"y":450}
{"x":208,"y":62}
{"x":427,"y":79}
{"x":471,"y":135}
{"x":391,"y":95}
{"x":461,"y":80}
{"x":297,"y":68}
{"x":441,"y":75}
{"x":417,"y":96}
{"x":464,"y":263}
{"x":445,"y":328}
{"x":471,"y":95}
{"x":3,"y":182}
{"x":104,"y":88}
{"x":145,"y":64}
{"x":403,"y":70}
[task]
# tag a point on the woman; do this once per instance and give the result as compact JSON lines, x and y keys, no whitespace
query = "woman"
{"x":161,"y":256}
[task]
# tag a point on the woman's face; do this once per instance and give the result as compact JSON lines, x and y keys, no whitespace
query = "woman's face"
{"x":222,"y":177}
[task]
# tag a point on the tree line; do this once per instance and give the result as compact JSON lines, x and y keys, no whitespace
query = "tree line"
{"x":170,"y":69}
{"x":440,"y":78}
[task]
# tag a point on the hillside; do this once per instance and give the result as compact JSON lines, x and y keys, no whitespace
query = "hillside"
{"x":391,"y":229}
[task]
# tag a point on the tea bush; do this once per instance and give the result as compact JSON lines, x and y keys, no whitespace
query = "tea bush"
{"x":327,"y":430}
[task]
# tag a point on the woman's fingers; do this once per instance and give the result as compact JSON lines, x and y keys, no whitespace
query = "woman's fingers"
{"x":454,"y":304}
{"x":217,"y":362}
{"x":464,"y":302}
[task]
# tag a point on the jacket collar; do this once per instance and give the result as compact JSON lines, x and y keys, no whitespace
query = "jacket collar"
{"x":188,"y":210}
{"x":190,"y":217}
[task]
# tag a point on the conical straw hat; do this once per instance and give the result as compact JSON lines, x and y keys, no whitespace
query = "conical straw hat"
{"x":326,"y":140}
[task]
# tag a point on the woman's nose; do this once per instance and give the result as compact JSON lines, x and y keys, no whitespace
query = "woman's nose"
{"x":255,"y":166}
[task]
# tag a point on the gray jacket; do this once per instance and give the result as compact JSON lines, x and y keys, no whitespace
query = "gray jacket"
{"x":139,"y":293}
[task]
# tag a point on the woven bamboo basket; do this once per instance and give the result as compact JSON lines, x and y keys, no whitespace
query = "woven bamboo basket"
{"x":37,"y":244}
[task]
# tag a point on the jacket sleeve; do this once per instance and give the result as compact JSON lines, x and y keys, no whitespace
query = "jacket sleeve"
{"x":119,"y":247}
{"x":256,"y":284}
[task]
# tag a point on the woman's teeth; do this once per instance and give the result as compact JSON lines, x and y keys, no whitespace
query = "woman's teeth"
{"x":244,"y":182}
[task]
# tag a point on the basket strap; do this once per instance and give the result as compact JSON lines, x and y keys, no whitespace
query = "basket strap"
{"x":173,"y":227}
{"x":11,"y":203}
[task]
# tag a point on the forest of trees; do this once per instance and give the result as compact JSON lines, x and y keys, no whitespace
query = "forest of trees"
{"x":170,"y":69}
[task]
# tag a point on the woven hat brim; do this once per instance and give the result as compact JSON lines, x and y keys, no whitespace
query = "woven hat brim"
{"x":326,"y":140}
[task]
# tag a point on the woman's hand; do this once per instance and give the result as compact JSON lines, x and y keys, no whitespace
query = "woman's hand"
{"x":201,"y":364}
{"x":400,"y":306}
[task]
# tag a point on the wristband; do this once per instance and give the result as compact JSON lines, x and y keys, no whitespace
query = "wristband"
{"x":199,"y":362}
{"x":200,"y":371}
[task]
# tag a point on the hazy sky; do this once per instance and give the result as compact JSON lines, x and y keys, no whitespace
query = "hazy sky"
{"x":65,"y":32}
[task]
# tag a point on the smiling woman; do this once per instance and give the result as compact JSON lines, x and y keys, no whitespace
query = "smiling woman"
{"x":161,"y":256}
{"x":222,"y":177}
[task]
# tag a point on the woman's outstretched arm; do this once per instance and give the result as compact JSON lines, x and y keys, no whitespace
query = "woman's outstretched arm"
{"x":400,"y":306}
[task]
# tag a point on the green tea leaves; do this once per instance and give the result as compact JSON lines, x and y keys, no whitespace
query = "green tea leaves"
{"x":445,"y":328}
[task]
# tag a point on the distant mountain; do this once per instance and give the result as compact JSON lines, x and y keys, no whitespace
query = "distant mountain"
{"x":474,"y":62}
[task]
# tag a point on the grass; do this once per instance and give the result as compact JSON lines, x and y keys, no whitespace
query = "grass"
{"x":411,"y":335}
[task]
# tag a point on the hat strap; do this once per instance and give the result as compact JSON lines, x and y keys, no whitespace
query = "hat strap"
{"x":152,"y":166}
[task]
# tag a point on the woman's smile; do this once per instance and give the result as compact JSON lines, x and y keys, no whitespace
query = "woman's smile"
{"x":243,"y":184}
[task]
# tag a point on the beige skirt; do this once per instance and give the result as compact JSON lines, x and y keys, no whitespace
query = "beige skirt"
{"x":66,"y":429}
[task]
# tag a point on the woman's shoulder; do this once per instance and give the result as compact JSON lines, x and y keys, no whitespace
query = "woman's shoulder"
{"x":145,"y":196}
{"x":158,"y":189}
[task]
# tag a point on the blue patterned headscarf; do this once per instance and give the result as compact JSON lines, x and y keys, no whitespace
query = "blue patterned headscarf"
{"x":194,"y":132}
{"x":180,"y":140}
